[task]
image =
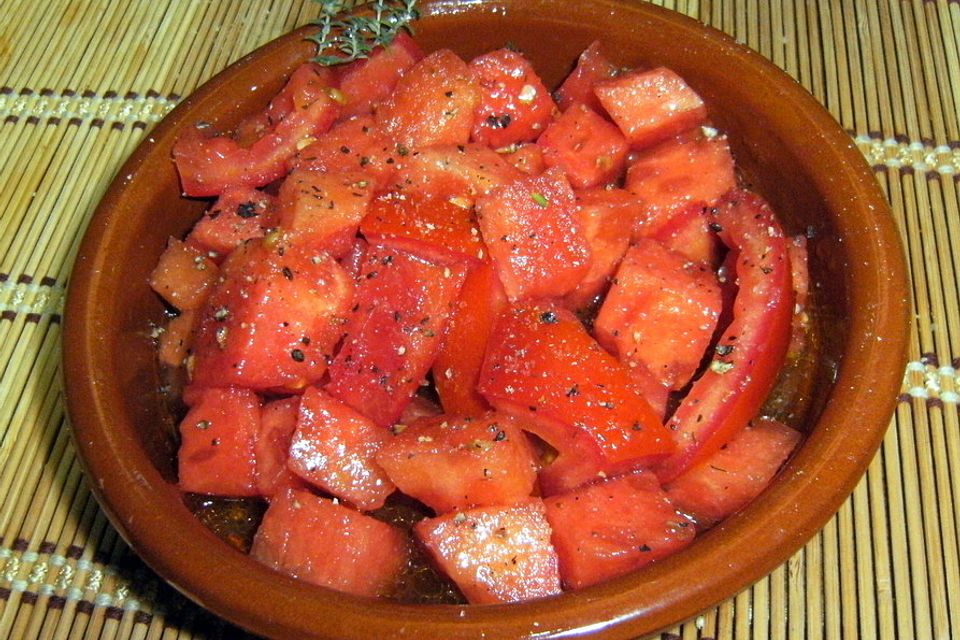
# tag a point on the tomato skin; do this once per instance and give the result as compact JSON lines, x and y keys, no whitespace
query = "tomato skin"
{"x":272,"y":323}
{"x":611,"y":527}
{"x":533,"y":235}
{"x":208,"y":165}
{"x":453,"y":462}
{"x":514,"y":105}
{"x":751,"y":350}
{"x":333,"y":448}
{"x":300,"y":530}
{"x":456,"y":371}
{"x":217,"y":443}
{"x":650,"y":106}
{"x":592,"y":67}
{"x":394,"y":332}
{"x":544,"y":367}
{"x":433,"y":103}
{"x":495,"y":554}
{"x":589,"y":149}
{"x":660,"y":313}
{"x":736,"y":473}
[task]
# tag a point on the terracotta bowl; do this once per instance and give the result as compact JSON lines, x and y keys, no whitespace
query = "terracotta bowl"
{"x":788,"y":148}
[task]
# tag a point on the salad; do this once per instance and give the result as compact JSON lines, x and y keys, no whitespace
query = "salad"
{"x":544,"y":322}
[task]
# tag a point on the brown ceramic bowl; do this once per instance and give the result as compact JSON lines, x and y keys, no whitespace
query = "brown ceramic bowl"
{"x":788,"y":148}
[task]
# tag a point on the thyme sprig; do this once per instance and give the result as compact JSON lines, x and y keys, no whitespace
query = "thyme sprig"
{"x":349,"y":30}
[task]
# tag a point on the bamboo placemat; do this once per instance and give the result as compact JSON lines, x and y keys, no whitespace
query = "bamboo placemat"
{"x":82,"y":81}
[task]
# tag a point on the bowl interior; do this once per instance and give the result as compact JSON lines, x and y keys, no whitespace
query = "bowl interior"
{"x":787,"y":148}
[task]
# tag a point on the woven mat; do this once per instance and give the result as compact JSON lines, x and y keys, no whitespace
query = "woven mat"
{"x":82,"y":81}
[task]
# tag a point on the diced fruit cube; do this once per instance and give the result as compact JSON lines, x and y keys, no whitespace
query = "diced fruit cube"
{"x":274,"y":320}
{"x":571,"y":469}
{"x":592,"y":67}
{"x":690,"y":170}
{"x":450,"y":462}
{"x":355,"y":144}
{"x":660,"y":312}
{"x":456,"y":370}
{"x":589,"y":149}
{"x":216,"y":443}
{"x":278,"y":419}
{"x":650,"y":106}
{"x":730,"y":478}
{"x":394,"y":332}
{"x":209,"y":163}
{"x":495,"y":554}
{"x":174,"y":343}
{"x":330,"y":545}
{"x":687,"y":232}
{"x":531,"y":230}
{"x":367,"y":82}
{"x":462,"y":172}
{"x":333,"y":448}
{"x":527,"y":158}
{"x":543,"y":366}
{"x":324,"y":209}
{"x":240,"y":213}
{"x":606,"y":217}
{"x":427,"y":226}
{"x":184,"y":276}
{"x":307,"y":83}
{"x":433,"y":103}
{"x":610,"y":528}
{"x":514,"y":105}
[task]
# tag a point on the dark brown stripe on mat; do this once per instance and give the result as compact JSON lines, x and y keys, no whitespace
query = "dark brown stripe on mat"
{"x":85,"y":606}
{"x":26,"y":278}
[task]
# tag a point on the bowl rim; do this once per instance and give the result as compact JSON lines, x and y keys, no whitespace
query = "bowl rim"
{"x":876,"y":340}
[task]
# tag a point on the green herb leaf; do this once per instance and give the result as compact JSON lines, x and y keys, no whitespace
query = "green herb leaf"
{"x":349,"y":30}
{"x":540,"y":199}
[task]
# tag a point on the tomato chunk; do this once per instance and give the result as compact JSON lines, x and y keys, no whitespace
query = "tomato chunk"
{"x":456,"y":371}
{"x":330,"y":545}
{"x":592,"y":67}
{"x":333,"y":448}
{"x":184,"y":276}
{"x":660,"y":313}
{"x":240,"y":213}
{"x":175,"y":342}
{"x":216,"y":443}
{"x":543,"y":366}
{"x":278,"y":419}
{"x":689,"y":170}
{"x":460,"y":172}
{"x":433,"y":103}
{"x":354,"y":144}
{"x":208,"y":165}
{"x":495,"y":554}
{"x":514,"y":105}
{"x":449,"y":462}
{"x":424,"y":225}
{"x":752,"y":348}
{"x":531,"y":230}
{"x":325,"y":209}
{"x":589,"y":149}
{"x":650,"y":106}
{"x":274,"y":320}
{"x":606,"y":217}
{"x":735,"y":474}
{"x":394,"y":332}
{"x":605,"y":530}
{"x":367,"y":82}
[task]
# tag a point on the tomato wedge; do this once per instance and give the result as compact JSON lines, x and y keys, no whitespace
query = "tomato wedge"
{"x":753,"y":347}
